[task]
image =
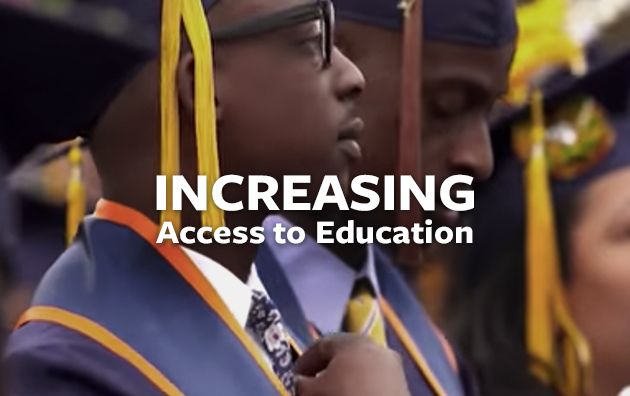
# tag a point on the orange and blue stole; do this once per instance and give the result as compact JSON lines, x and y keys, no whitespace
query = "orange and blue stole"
{"x":149,"y":305}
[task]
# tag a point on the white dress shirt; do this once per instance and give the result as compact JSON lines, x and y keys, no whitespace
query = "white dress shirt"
{"x":236,"y":295}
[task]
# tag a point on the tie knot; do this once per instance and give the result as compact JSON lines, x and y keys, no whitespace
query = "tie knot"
{"x":363,"y":314}
{"x":260,"y":299}
{"x":363,"y":287}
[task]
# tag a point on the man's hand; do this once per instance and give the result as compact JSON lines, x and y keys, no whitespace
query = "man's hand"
{"x":349,"y":365}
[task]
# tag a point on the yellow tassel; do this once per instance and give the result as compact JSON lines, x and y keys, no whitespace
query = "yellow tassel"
{"x":541,"y":251}
{"x":205,"y":116}
{"x":196,"y":25}
{"x":567,"y":366}
{"x":169,"y":107}
{"x":75,"y":196}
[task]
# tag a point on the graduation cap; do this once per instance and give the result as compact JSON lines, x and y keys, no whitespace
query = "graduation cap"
{"x":545,"y":154}
{"x":489,"y":23}
{"x":62,"y":67}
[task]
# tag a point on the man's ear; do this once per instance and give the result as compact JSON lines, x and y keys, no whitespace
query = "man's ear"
{"x":186,"y":90}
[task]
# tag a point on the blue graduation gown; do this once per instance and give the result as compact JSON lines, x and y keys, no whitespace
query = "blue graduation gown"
{"x":118,"y":314}
{"x":409,"y":329}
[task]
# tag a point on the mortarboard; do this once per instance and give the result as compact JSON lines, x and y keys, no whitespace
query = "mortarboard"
{"x":57,"y":176}
{"x":479,"y":23}
{"x":62,"y":66}
{"x":60,"y":70}
{"x":539,"y":164}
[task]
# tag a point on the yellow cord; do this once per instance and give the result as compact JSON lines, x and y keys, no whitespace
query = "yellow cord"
{"x":565,"y":366}
{"x":75,"y":195}
{"x":198,"y":32}
{"x":205,"y":116}
{"x":541,"y":254}
{"x":169,"y":107}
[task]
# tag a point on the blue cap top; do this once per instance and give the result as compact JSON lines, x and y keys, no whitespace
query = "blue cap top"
{"x":485,"y":23}
{"x":61,"y":67}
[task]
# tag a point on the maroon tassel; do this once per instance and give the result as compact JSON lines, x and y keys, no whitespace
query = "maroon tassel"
{"x":409,"y":139}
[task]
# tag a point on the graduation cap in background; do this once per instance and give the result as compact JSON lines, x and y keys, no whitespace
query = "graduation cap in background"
{"x":544,"y":154}
{"x":544,"y":44}
{"x":63,"y":64}
{"x":61,"y":69}
{"x":473,"y":23}
{"x":40,"y":204}
{"x":489,"y":23}
{"x":54,"y":177}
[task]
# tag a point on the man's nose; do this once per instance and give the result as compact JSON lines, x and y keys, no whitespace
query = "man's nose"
{"x":471,"y":151}
{"x":350,"y":81}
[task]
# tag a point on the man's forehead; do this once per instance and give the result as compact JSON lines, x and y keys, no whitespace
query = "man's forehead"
{"x":476,"y":23}
{"x":445,"y":59}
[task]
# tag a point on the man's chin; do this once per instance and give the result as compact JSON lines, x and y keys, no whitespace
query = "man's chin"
{"x":443,"y":217}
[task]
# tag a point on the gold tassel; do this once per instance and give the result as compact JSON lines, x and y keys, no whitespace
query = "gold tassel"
{"x":541,"y":251}
{"x":567,"y":366}
{"x":75,"y":195}
{"x":198,"y":33}
{"x":169,"y":106}
{"x":205,"y":116}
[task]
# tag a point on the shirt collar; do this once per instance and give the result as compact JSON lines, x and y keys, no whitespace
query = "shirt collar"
{"x":321,"y":281}
{"x":236,"y":295}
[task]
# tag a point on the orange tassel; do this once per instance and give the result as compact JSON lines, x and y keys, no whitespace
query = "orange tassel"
{"x":409,"y":138}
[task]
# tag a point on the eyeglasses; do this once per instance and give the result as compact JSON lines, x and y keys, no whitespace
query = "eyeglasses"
{"x":579,"y":136}
{"x":321,"y":10}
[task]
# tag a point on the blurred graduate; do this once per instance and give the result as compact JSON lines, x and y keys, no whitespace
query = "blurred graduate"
{"x":119,"y":314}
{"x":433,"y":65}
{"x":516,"y":303}
{"x":39,"y":186}
{"x":540,"y":303}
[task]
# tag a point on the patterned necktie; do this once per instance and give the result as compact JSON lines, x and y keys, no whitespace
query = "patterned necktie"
{"x":363,"y":314}
{"x":265,"y":323}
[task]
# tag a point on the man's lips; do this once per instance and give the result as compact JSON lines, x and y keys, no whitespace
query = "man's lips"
{"x":446,"y":217}
{"x":348,"y":139}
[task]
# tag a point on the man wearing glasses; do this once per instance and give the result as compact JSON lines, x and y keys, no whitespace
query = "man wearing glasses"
{"x":119,"y":314}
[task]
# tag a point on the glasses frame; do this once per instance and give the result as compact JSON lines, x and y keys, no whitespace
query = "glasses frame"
{"x":319,"y":9}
